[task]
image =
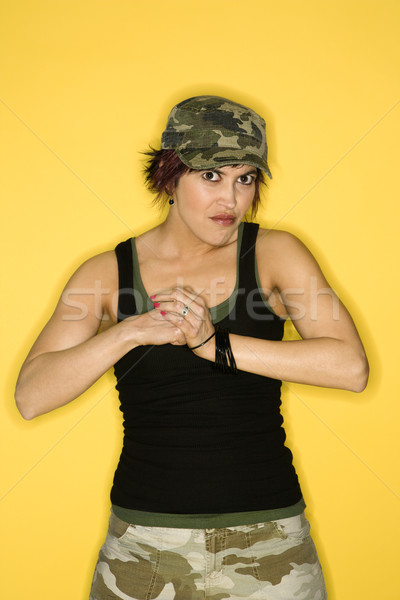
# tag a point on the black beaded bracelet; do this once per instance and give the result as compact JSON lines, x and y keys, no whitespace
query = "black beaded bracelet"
{"x":224,"y":359}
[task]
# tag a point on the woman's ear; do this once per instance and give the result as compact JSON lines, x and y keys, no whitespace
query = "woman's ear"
{"x":170,"y":189}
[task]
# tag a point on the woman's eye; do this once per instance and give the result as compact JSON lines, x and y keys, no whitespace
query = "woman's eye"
{"x":210,"y":176}
{"x":246,"y":179}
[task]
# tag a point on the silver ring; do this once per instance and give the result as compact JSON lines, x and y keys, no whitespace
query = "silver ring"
{"x":185,"y":311}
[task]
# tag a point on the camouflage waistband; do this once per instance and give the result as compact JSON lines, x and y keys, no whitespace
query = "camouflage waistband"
{"x":205,"y":521}
{"x":273,"y":559}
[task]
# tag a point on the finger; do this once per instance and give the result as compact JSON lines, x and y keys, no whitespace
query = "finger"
{"x":155,"y":314}
{"x":183,"y":294}
{"x":187,"y":311}
{"x":181,"y":302}
{"x":190,"y":329}
{"x":182,"y":323}
{"x":177,"y":319}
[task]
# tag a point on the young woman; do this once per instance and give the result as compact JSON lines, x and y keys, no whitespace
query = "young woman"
{"x":205,"y":500}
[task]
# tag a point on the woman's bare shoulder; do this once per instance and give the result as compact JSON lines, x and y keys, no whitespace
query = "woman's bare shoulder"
{"x":102,"y":267}
{"x":274,"y":242}
{"x":100,"y":273}
{"x":274,"y":237}
{"x":282,"y":257}
{"x":280,"y":243}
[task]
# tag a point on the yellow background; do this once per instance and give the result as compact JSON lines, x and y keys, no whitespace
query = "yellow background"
{"x":88,"y":84}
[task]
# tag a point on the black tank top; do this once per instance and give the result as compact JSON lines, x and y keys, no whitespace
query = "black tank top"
{"x":197,"y":440}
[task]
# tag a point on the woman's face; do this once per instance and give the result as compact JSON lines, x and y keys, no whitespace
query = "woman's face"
{"x":212,"y":203}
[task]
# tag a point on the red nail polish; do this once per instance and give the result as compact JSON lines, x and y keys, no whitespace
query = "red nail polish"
{"x":163,"y":313}
{"x":153,"y":296}
{"x":156,"y":304}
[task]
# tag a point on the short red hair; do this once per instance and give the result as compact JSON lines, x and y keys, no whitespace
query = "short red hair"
{"x":162,"y":178}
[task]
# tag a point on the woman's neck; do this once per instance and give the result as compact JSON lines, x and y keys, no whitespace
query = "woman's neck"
{"x":174,"y":239}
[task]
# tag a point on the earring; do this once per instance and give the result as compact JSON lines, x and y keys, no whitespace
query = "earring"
{"x":171,"y":201}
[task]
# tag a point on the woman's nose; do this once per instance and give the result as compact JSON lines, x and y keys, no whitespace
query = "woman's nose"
{"x":227,"y":195}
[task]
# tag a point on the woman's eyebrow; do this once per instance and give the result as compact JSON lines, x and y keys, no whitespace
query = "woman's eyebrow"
{"x":219,"y":172}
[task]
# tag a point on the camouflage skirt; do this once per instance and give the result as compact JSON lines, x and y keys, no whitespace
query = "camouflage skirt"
{"x":276,"y":560}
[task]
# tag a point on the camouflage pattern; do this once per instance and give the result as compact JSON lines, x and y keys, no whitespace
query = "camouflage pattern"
{"x":266,"y":561}
{"x":210,"y":131}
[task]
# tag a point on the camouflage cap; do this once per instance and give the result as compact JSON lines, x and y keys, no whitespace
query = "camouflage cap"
{"x":210,"y":131}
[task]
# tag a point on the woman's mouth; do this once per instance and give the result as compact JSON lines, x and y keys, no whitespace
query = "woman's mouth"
{"x":224,"y":219}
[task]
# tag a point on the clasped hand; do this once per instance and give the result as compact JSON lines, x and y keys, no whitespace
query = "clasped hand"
{"x":185,"y":309}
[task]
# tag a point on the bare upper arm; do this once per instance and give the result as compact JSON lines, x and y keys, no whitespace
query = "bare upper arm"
{"x":310,"y":302}
{"x":87,"y":299}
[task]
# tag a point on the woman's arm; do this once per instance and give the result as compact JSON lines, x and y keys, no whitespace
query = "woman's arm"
{"x":68,"y":356}
{"x":324,"y":361}
{"x":329,"y":355}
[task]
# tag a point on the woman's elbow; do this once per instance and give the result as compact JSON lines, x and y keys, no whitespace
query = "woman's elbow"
{"x":24,"y":405}
{"x":360,"y":375}
{"x":26,"y":414}
{"x":24,"y":411}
